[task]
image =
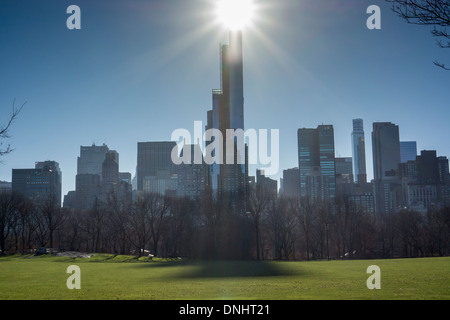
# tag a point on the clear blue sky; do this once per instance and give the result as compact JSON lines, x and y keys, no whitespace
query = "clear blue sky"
{"x":137,"y":70}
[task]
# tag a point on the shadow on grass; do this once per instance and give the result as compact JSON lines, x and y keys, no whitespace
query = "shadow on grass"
{"x":229,"y":269}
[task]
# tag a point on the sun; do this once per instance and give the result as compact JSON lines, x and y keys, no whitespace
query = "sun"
{"x":235,"y":14}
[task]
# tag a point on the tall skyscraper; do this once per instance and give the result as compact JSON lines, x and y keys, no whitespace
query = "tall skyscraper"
{"x":359,"y":151}
{"x":316,"y":162}
{"x":386,"y":160}
{"x":408,"y":151}
{"x":155,"y":170}
{"x":386,"y":149}
{"x":40,"y":183}
{"x":228,"y":113}
{"x":236,"y":80}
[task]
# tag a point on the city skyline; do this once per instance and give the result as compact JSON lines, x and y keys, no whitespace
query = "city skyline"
{"x":84,"y":86}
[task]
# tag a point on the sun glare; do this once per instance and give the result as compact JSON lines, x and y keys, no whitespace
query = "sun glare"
{"x":235,"y":14}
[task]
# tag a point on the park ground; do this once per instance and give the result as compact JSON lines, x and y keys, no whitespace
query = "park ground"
{"x":111,"y":277}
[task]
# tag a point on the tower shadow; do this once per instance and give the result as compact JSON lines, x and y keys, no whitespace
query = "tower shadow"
{"x":231,"y":269}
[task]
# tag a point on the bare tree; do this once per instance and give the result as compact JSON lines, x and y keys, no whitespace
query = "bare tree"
{"x":434,"y":13}
{"x":118,"y":223}
{"x":157,"y":207}
{"x":140,"y":222}
{"x":305,"y":211}
{"x":180,"y":221}
{"x":93,"y":223}
{"x":5,"y":128}
{"x":281,"y":225}
{"x":259,"y":200}
{"x":9,"y":205}
{"x":24,"y":227}
{"x":49,"y":218}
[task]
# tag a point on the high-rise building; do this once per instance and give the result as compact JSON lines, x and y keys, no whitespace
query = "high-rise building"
{"x":126,"y":177}
{"x":359,"y":151}
{"x":444,"y":180}
{"x":155,"y":170}
{"x":87,"y":190}
{"x":386,"y":149}
{"x":110,"y":171}
{"x":40,"y":183}
{"x":316,"y":162}
{"x":408,"y":151}
{"x":266,"y":185}
{"x":228,"y":113}
{"x":344,"y":170}
{"x":70,"y":200}
{"x":91,"y":159}
{"x":98,"y":177}
{"x":386,"y":160}
{"x":193,"y":178}
{"x":425,"y":181}
{"x":291,"y":183}
{"x":89,"y":175}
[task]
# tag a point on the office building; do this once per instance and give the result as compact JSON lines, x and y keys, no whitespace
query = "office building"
{"x":386,"y":149}
{"x":344,"y":169}
{"x":155,"y":170}
{"x":126,"y":177}
{"x":408,"y":151}
{"x":386,"y":160}
{"x":291,"y":183}
{"x":193,"y":178}
{"x":265,"y":185}
{"x":39,"y":184}
{"x":316,"y":162}
{"x":91,"y":159}
{"x":87,"y":190}
{"x":98,"y":177}
{"x":110,"y":171}
{"x":70,"y":200}
{"x":359,"y":151}
{"x":425,"y":182}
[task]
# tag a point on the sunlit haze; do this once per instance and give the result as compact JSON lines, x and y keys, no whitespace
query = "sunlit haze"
{"x":235,"y":14}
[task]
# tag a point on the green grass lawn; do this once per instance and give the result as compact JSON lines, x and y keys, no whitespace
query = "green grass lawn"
{"x":123,"y":277}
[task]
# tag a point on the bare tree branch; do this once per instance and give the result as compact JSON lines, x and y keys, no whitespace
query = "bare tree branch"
{"x":441,"y":65}
{"x":4,"y":128}
{"x":427,"y":12}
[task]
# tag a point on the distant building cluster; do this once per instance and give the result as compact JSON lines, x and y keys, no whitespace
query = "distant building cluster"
{"x":402,"y":178}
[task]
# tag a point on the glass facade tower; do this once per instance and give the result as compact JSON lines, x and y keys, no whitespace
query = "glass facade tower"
{"x":228,"y":114}
{"x":359,"y":152}
{"x":408,"y":151}
{"x":316,"y":162}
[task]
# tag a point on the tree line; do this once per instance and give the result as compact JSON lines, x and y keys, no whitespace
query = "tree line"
{"x":212,"y":228}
